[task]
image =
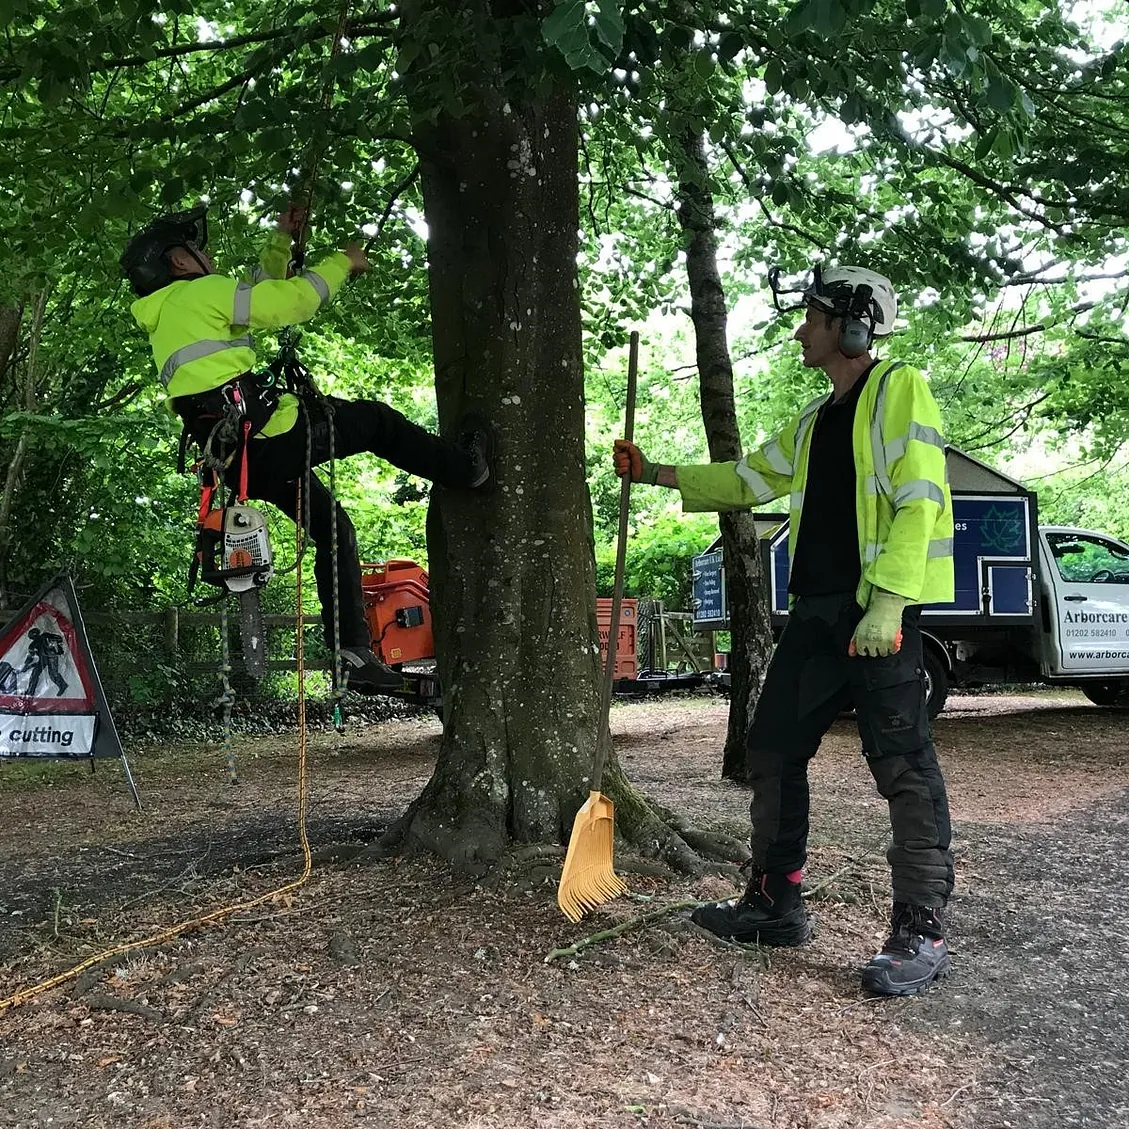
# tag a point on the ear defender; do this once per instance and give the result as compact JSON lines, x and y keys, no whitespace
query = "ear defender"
{"x":854,"y":337}
{"x":855,"y":334}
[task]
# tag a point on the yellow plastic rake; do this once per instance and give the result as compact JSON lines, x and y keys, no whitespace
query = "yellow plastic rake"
{"x":588,"y":878}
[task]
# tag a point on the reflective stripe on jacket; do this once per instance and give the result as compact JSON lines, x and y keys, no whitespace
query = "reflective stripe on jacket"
{"x":905,"y":511}
{"x":199,"y":328}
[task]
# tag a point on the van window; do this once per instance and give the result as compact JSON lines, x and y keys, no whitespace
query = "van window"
{"x":1082,"y":559}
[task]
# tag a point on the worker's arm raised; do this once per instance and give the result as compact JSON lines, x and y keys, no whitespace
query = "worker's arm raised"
{"x":274,"y":303}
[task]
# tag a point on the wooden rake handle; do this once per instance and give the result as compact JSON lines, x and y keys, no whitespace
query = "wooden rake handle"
{"x":604,"y":739}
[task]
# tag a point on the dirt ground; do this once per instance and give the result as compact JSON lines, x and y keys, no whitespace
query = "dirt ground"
{"x":397,"y":995}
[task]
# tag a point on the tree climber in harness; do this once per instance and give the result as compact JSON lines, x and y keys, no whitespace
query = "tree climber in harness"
{"x":199,"y":325}
{"x":870,"y":541}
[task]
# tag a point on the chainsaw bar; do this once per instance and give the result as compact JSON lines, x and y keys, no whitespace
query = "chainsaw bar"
{"x":253,"y":633}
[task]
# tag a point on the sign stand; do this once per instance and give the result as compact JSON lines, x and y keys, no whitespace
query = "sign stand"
{"x":52,"y":705}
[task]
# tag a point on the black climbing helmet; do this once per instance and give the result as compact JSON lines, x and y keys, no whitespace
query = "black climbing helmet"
{"x":143,"y":262}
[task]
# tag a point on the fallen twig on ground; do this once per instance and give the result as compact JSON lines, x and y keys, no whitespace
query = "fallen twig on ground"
{"x":619,"y":930}
{"x":851,"y":862}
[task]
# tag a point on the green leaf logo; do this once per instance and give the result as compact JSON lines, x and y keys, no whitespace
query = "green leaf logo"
{"x":1001,"y":530}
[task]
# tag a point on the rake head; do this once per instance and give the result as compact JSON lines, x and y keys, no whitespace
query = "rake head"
{"x":588,"y":878}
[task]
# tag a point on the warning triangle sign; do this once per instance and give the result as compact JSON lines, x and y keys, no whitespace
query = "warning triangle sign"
{"x":51,"y":699}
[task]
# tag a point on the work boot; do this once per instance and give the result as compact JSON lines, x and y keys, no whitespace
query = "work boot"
{"x":769,"y":912}
{"x":476,"y":438}
{"x":914,"y":955}
{"x":366,"y":674}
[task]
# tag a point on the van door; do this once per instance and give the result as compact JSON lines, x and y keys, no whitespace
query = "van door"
{"x":1090,"y":618}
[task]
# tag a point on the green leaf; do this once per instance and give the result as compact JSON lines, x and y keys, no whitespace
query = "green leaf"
{"x":609,"y":24}
{"x":564,"y":19}
{"x":799,"y":19}
{"x":142,"y":179}
{"x":1004,"y":145}
{"x":1000,"y":94}
{"x":172,"y":191}
{"x":933,"y":9}
{"x":774,"y":77}
{"x":978,"y":30}
{"x":829,"y":17}
{"x":704,"y":63}
{"x":729,"y":46}
{"x":371,"y":57}
{"x":51,"y":90}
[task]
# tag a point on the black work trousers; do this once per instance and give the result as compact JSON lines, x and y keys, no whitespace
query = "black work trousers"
{"x":810,"y":680}
{"x":276,"y":464}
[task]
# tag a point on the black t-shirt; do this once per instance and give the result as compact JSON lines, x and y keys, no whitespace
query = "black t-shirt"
{"x":827,"y":549}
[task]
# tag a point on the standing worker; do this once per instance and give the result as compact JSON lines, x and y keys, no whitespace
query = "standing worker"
{"x":870,"y":541}
{"x":199,"y":325}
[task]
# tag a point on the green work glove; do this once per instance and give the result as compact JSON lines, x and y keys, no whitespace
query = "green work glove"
{"x":880,"y":630}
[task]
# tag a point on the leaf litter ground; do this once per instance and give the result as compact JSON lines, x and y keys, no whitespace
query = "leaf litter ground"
{"x":397,"y":994}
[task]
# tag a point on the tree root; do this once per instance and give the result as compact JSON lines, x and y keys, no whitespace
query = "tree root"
{"x":651,"y":840}
{"x":618,"y":930}
{"x":685,"y":849}
{"x":643,"y":867}
{"x":103,"y":1002}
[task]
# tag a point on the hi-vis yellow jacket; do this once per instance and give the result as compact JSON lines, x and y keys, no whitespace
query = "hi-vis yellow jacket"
{"x":199,"y":328}
{"x":905,"y":511}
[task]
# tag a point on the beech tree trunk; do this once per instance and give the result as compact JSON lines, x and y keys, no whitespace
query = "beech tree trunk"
{"x":512,"y":566}
{"x":24,"y":398}
{"x":750,"y":627}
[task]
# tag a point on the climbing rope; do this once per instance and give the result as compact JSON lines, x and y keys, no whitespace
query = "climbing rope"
{"x":316,"y":152}
{"x":217,"y":915}
{"x":226,"y":699}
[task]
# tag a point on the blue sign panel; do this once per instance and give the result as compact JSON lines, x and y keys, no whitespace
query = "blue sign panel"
{"x":709,"y":603}
{"x":985,"y":527}
{"x":993,"y":527}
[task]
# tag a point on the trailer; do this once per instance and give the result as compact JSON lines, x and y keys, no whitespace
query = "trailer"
{"x":1032,"y":603}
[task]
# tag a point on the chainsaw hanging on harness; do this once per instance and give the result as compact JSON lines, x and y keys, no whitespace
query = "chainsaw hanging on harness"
{"x":233,"y":553}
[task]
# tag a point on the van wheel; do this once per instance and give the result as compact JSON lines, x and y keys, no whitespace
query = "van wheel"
{"x":1115,"y":694}
{"x":936,"y":682}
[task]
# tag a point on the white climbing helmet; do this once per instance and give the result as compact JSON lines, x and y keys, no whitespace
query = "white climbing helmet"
{"x":835,"y":290}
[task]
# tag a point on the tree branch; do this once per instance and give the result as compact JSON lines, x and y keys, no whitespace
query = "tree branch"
{"x":1027,"y":330}
{"x":397,"y":192}
{"x":1033,"y":276}
{"x":756,"y":195}
{"x":619,"y":930}
{"x":374,"y":24}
